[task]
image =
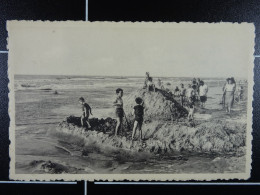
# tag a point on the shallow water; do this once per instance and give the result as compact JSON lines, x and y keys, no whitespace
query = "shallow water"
{"x":39,"y":110}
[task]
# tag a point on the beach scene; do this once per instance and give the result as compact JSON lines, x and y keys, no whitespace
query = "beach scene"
{"x":43,"y":102}
{"x":132,"y":101}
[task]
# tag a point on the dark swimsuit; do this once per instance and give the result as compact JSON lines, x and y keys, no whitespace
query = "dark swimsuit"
{"x":119,"y":109}
{"x":139,"y":113}
{"x":119,"y":112}
{"x":85,"y":105}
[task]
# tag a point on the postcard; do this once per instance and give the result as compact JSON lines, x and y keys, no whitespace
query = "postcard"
{"x":130,"y":101}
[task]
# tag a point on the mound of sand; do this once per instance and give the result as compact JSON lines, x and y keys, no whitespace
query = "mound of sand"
{"x":102,"y":125}
{"x":161,"y":136}
{"x":158,"y":105}
{"x":218,"y":136}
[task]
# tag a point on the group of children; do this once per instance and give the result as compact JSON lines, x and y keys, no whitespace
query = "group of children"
{"x":196,"y":91}
{"x":186,"y":96}
{"x":138,"y":112}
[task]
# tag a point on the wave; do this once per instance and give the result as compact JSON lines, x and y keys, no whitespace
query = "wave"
{"x":27,"y":85}
{"x":48,"y":86}
{"x":81,"y":78}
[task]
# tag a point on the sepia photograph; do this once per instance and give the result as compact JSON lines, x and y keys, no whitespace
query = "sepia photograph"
{"x":130,"y":101}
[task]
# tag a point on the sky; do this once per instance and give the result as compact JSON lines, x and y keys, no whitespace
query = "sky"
{"x":130,"y":49}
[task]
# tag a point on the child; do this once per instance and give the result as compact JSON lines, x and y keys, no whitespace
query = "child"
{"x":86,"y":109}
{"x":118,"y":103}
{"x":160,"y":85}
{"x":138,"y":112}
{"x":191,"y":111}
{"x":203,"y":90}
{"x":146,"y":80}
{"x":182,"y":94}
{"x":240,"y":91}
{"x":150,"y":85}
{"x":176,"y":92}
{"x":190,"y":93}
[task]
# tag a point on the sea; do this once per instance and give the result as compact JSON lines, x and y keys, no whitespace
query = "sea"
{"x":43,"y":101}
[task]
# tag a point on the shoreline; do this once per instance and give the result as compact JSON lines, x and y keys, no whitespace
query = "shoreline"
{"x":116,"y":159}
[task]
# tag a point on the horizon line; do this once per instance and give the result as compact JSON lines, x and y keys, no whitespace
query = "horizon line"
{"x":156,"y":76}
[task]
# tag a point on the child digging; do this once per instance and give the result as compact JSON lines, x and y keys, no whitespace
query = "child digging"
{"x":86,"y":111}
{"x":118,"y":103}
{"x":138,"y":112}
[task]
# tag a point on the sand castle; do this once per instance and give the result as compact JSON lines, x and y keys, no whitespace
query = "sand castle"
{"x":161,"y":133}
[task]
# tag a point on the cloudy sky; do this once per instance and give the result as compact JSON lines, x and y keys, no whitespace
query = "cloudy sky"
{"x":117,"y":49}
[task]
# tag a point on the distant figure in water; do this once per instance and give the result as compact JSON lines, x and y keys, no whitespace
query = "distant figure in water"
{"x":118,"y":103}
{"x":148,"y":83}
{"x":138,"y":112}
{"x":86,"y":111}
{"x":229,"y":91}
{"x":203,"y":90}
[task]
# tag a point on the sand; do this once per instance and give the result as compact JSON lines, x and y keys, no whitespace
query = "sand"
{"x":214,"y":143}
{"x":161,"y":134}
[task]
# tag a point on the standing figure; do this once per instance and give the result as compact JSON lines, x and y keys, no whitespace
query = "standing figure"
{"x":118,"y":103}
{"x":203,"y":90}
{"x":233,"y":82}
{"x":176,"y":92}
{"x":240,"y":91}
{"x":160,"y":84}
{"x":147,"y":76}
{"x":223,"y":96}
{"x":190,"y":93}
{"x":148,"y":83}
{"x":86,"y":111}
{"x":197,"y":89}
{"x":182,"y":94}
{"x":229,"y":95}
{"x":138,"y":112}
{"x":194,"y":82}
{"x":191,"y":111}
